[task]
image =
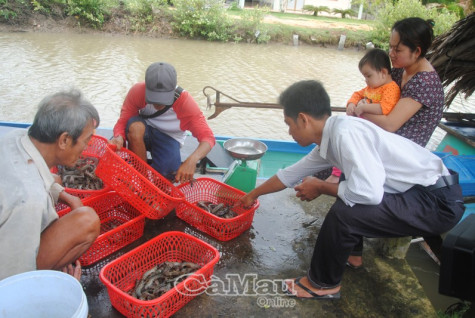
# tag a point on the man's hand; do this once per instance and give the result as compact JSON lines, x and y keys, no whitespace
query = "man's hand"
{"x":73,"y":201}
{"x":74,"y":271}
{"x":309,"y":189}
{"x":186,"y":171}
{"x":246,"y":201}
{"x":118,"y":141}
{"x":57,"y":178}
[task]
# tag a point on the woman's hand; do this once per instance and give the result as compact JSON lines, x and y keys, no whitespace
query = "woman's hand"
{"x":401,"y":113}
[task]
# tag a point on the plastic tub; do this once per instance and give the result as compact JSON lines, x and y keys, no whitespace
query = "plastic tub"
{"x":42,"y":294}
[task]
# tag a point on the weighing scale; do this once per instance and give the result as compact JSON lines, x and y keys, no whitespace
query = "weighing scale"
{"x":242,"y":174}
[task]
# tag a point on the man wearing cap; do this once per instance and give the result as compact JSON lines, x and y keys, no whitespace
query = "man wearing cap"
{"x":155,"y":117}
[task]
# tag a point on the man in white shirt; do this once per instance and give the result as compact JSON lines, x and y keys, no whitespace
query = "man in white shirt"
{"x":31,"y":235}
{"x":392,"y":187}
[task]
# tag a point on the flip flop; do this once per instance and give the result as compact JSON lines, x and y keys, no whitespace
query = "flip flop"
{"x":297,"y":282}
{"x":353,"y":266}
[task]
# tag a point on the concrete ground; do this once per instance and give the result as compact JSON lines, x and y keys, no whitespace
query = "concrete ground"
{"x":279,"y":245}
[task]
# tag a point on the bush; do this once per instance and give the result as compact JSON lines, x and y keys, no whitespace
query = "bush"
{"x":10,"y":10}
{"x":391,"y":13}
{"x":315,"y":9}
{"x":202,"y":18}
{"x":90,"y":12}
{"x":144,"y":8}
{"x":250,"y":26}
{"x":143,"y":13}
{"x":344,"y":12}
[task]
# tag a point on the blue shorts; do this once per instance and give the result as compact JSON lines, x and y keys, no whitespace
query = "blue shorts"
{"x":164,"y":149}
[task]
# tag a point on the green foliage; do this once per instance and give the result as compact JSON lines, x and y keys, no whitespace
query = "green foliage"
{"x":143,"y":12}
{"x":316,"y":9}
{"x":250,"y":26}
{"x":206,"y":19}
{"x":456,"y":9}
{"x":90,"y":11}
{"x":344,"y":12}
{"x":38,"y":6}
{"x":202,"y":18}
{"x":10,"y":10}
{"x":456,"y":310}
{"x":235,"y":6}
{"x":144,"y":8}
{"x":391,"y":13}
{"x":7,"y":14}
{"x":370,"y":6}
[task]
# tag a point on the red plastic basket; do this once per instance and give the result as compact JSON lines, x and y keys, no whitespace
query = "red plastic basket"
{"x":138,"y":183}
{"x":208,"y":189}
{"x":95,"y":148}
{"x":121,"y":275}
{"x":121,"y":224}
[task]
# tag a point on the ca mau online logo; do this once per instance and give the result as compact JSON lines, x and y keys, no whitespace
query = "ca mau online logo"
{"x":230,"y":285}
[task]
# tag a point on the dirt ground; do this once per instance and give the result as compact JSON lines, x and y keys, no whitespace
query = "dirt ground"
{"x":317,"y":24}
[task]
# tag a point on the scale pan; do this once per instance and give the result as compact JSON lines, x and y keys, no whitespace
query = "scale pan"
{"x":245,"y":148}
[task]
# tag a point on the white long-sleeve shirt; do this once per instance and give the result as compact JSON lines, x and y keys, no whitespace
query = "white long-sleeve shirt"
{"x":373,"y":160}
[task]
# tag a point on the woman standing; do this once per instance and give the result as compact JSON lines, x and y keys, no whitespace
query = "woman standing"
{"x":420,"y":108}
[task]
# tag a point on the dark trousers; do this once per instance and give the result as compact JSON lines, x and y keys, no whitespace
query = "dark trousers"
{"x":165,"y":150}
{"x":416,"y":212}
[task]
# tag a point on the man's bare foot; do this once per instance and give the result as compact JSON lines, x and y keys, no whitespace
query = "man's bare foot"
{"x":355,"y":261}
{"x":296,"y":290}
{"x":74,"y":271}
{"x":332,"y":179}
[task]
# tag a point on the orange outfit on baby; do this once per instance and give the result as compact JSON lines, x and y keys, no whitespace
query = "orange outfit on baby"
{"x":387,"y":96}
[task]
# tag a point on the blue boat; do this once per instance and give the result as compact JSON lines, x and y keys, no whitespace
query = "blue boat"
{"x":456,"y":150}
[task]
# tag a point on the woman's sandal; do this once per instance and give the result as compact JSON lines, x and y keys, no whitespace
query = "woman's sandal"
{"x":297,"y":282}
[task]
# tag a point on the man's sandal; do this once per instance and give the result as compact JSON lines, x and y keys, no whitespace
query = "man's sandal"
{"x":297,"y":282}
{"x":353,"y":266}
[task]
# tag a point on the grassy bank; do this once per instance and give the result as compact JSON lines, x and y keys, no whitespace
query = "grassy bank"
{"x":252,"y":25}
{"x":213,"y":20}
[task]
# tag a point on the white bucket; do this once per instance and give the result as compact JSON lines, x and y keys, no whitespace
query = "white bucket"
{"x":42,"y":293}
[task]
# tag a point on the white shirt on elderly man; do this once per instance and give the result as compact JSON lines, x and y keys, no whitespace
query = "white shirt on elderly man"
{"x":27,"y":202}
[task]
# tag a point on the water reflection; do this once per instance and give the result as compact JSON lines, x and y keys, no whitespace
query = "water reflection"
{"x":105,"y":67}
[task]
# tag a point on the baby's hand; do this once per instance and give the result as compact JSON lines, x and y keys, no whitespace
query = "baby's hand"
{"x":350,"y":109}
{"x":359,"y":110}
{"x":361,"y":102}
